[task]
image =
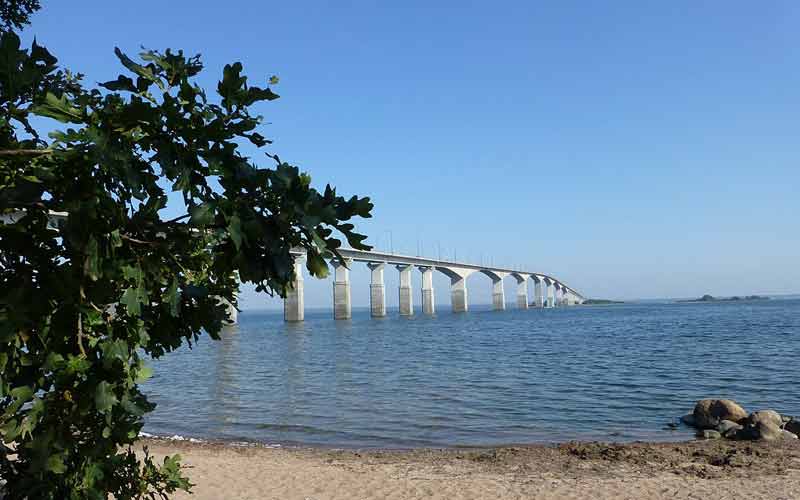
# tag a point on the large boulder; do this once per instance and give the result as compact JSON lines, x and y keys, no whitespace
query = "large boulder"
{"x":772,"y":417}
{"x":708,"y":413}
{"x":762,"y":431}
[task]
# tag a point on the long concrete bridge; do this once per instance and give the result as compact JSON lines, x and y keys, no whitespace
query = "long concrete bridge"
{"x":548,"y":291}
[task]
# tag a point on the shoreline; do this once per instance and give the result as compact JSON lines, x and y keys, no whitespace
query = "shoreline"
{"x":646,"y":470}
{"x":685,"y":434}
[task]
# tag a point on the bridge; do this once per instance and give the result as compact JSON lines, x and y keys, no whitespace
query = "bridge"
{"x":548,"y":291}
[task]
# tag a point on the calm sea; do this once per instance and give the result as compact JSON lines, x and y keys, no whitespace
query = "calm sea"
{"x":616,"y":373}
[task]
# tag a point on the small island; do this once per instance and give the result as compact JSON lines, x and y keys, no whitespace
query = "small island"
{"x":711,"y":298}
{"x":600,"y":302}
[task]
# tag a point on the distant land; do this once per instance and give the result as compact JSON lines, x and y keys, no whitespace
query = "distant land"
{"x":599,"y":302}
{"x":711,"y":298}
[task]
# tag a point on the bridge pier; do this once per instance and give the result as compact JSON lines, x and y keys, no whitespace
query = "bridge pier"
{"x":341,"y":289}
{"x":406,"y":298}
{"x":294,"y":303}
{"x":522,"y":291}
{"x":377,"y":290}
{"x":458,"y":294}
{"x":538,"y":293}
{"x":498,"y":294}
{"x":551,"y":295}
{"x":428,"y":306}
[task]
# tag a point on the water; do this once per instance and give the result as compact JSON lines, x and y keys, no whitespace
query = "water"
{"x":615,"y":373}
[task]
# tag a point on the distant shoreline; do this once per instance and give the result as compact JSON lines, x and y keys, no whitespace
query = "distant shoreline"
{"x":600,"y":302}
{"x":735,"y":298}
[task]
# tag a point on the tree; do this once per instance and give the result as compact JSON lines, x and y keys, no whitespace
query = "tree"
{"x":82,"y":305}
{"x":16,"y":13}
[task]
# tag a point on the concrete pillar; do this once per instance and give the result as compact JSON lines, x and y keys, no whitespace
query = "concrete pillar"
{"x":377,"y":291}
{"x":428,"y":306}
{"x":498,"y":294}
{"x":294,"y":303}
{"x":522,"y":293}
{"x":406,"y":299}
{"x":538,"y":293}
{"x":559,"y":293}
{"x":341,"y":289}
{"x":458,"y":294}
{"x":551,"y":295}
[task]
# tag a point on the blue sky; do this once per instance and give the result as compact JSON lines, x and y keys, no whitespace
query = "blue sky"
{"x":633,"y":149}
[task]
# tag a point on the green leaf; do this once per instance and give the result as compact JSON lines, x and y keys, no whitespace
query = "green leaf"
{"x":121,"y":83}
{"x":91,"y":265}
{"x":77,"y":365}
{"x":173,"y":298}
{"x":143,"y":71}
{"x":143,"y":373}
{"x":104,"y":397}
{"x":55,"y":464}
{"x":58,"y":108}
{"x":114,"y":350}
{"x":235,"y":231}
{"x":316,"y":265}
{"x":202,"y":215}
{"x":133,"y":298}
{"x":93,"y":474}
{"x":132,"y":273}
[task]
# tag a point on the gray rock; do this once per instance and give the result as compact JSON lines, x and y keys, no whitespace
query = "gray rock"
{"x":709,"y":434}
{"x":727,"y":427}
{"x":688,"y":419}
{"x":708,"y":413}
{"x":786,"y":418}
{"x":763,"y":431}
{"x":788,"y":435}
{"x":770,"y":416}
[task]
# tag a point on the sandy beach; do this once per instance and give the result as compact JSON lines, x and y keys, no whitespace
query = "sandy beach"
{"x":699,"y":469}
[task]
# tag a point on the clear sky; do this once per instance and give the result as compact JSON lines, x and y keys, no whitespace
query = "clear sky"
{"x":633,"y":149}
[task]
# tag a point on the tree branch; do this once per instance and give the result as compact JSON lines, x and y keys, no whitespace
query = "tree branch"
{"x":80,"y":333}
{"x":134,"y":240}
{"x":176,"y":219}
{"x":11,"y":153}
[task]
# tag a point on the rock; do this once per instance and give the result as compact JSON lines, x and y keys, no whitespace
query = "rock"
{"x":727,"y":427}
{"x":788,"y":435}
{"x":708,"y":413}
{"x":792,"y":426}
{"x":786,"y":418}
{"x":709,"y":434}
{"x":688,"y":419}
{"x":763,"y":431}
{"x":770,"y":416}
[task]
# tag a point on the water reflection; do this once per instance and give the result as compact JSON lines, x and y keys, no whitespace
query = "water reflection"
{"x":224,"y":401}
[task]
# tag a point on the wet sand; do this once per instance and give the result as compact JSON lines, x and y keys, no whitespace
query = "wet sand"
{"x":713,"y":470}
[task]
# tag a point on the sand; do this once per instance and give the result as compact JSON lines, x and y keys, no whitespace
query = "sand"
{"x":709,"y":470}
